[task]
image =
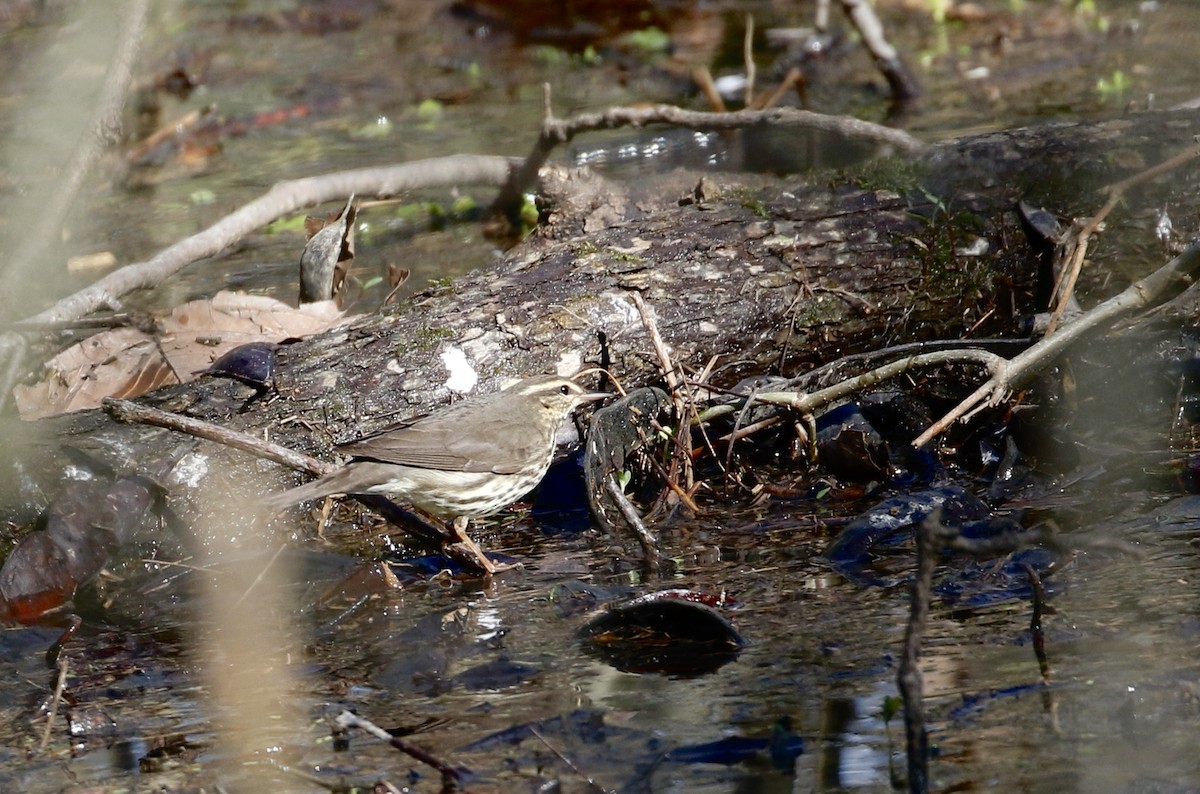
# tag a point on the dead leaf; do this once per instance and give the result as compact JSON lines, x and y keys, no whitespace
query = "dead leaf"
{"x":126,"y":362}
{"x":327,"y":256}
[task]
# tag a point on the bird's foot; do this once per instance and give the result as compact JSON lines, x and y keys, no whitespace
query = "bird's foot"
{"x":464,"y":542}
{"x":469,"y":549}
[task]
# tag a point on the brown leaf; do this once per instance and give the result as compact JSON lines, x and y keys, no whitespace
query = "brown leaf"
{"x":108,"y":363}
{"x":327,"y":256}
{"x":126,"y":362}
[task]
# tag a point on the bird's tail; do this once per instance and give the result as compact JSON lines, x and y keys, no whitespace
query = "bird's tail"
{"x":275,"y":503}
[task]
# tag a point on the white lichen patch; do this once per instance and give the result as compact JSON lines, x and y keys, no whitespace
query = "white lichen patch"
{"x":462,"y":375}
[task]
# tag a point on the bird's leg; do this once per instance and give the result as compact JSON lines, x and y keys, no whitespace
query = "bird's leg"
{"x":461,"y":538}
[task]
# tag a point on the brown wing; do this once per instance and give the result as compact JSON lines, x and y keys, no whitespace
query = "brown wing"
{"x":497,"y":444}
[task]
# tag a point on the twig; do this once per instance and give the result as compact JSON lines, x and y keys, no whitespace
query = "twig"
{"x":645,"y":537}
{"x":670,"y":374}
{"x":748,"y":58}
{"x":348,"y":720}
{"x":282,"y":198}
{"x":1020,"y":371}
{"x":1036,"y":632}
{"x":703,"y":79}
{"x":571,"y":764}
{"x":131,"y":412}
{"x":1066,"y":289}
{"x":808,"y":403}
{"x":54,"y":701}
{"x":679,"y":400}
{"x":793,"y":79}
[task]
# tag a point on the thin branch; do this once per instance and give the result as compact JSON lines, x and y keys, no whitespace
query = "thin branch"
{"x":808,"y":403}
{"x":281,"y":199}
{"x":59,"y":687}
{"x":1115,"y":191}
{"x":592,"y":784}
{"x":131,"y":412}
{"x":748,"y":57}
{"x":645,"y":537}
{"x":348,"y":720}
{"x":1180,"y":272}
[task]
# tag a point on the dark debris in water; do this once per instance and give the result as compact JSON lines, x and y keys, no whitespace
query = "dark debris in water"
{"x":662,"y":633}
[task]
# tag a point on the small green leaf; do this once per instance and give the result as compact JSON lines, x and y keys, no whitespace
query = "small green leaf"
{"x":891,"y":707}
{"x":295,"y":223}
{"x":462,"y":205}
{"x":649,"y":39}
{"x":430,"y":112}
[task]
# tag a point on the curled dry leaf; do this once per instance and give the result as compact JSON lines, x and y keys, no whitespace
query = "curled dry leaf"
{"x":327,"y":255}
{"x":126,"y":362}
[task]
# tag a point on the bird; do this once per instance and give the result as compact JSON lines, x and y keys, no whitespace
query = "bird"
{"x":470,"y":459}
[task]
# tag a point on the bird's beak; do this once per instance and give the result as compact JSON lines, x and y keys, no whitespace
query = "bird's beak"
{"x":595,"y":396}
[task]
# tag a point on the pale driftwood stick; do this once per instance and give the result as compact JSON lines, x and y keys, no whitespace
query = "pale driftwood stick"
{"x":1020,"y":371}
{"x":281,"y":199}
{"x":807,"y":403}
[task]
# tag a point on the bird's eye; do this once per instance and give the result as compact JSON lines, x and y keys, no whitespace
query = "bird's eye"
{"x":564,"y":389}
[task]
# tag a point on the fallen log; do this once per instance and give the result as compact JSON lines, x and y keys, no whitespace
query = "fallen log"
{"x":764,"y":276}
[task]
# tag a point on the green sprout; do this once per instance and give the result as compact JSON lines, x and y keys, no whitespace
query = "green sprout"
{"x":1114,"y":87}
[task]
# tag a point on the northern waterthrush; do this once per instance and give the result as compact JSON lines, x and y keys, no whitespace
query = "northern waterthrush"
{"x":470,"y":459}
